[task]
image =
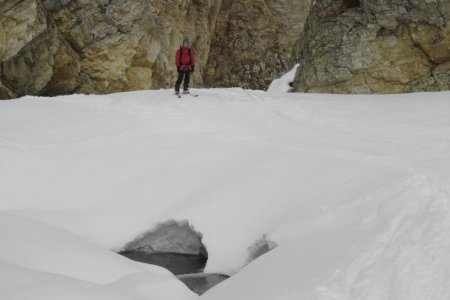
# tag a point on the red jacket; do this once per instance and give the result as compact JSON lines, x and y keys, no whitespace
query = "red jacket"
{"x":183,"y":60}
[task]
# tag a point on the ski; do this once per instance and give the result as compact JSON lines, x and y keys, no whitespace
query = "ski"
{"x":186,"y":94}
{"x":190,"y":94}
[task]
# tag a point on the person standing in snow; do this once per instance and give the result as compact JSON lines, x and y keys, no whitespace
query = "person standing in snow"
{"x":185,"y":62}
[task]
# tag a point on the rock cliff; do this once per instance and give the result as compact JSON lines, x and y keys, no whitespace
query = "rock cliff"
{"x":50,"y":47}
{"x":375,"y":46}
{"x":253,"y":41}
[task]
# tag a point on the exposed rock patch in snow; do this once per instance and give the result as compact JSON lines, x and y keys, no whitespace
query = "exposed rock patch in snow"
{"x":261,"y":247}
{"x":170,"y":237}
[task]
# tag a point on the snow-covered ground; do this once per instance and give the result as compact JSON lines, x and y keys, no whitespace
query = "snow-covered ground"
{"x":355,"y":190}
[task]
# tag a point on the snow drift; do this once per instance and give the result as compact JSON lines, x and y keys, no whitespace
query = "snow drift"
{"x":39,"y":261}
{"x":354,"y":190}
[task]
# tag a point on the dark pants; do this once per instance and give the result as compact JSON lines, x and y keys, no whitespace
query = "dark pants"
{"x":187,"y":77}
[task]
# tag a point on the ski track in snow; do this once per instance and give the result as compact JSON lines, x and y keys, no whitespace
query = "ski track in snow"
{"x":357,"y":185}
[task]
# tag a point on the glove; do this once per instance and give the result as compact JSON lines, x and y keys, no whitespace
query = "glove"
{"x":192,"y":68}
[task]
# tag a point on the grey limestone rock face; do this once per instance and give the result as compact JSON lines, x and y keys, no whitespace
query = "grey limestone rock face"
{"x":50,"y":47}
{"x":253,"y":42}
{"x":374,"y":46}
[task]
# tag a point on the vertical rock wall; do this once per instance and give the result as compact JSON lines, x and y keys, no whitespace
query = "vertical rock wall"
{"x":253,"y":41}
{"x":51,"y":47}
{"x":375,"y":46}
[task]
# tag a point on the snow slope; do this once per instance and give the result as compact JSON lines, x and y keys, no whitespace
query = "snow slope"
{"x":354,"y":190}
{"x":39,"y":261}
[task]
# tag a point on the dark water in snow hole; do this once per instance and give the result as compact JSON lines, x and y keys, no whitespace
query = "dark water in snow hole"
{"x":188,"y":268}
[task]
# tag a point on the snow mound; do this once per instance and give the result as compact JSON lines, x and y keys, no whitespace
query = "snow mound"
{"x":284,"y":83}
{"x":38,"y":261}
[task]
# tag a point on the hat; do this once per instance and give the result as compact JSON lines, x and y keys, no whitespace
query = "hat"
{"x":186,"y":40}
